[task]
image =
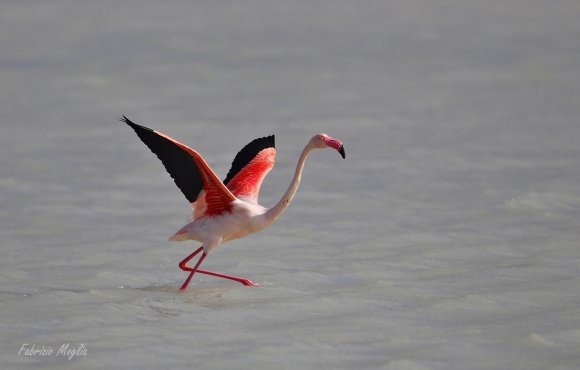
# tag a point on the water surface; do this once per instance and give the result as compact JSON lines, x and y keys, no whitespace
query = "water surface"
{"x":448,"y":239}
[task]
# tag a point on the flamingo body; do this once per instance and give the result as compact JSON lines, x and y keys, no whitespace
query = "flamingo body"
{"x":228,"y":210}
{"x":244,"y":218}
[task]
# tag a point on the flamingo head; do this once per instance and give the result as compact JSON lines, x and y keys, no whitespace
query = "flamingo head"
{"x":325,"y":141}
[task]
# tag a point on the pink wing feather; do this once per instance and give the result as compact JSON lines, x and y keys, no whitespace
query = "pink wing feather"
{"x":246,"y":184}
{"x":250,"y":167}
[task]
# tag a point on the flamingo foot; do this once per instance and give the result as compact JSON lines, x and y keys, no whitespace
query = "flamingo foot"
{"x":184,"y":286}
{"x":248,"y":282}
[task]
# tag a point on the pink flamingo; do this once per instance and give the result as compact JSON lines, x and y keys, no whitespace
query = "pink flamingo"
{"x":228,"y":210}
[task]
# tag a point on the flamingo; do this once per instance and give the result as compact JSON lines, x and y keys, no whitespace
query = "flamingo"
{"x":228,"y":210}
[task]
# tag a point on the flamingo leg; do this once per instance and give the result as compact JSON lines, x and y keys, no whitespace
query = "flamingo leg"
{"x":234,"y":278}
{"x":184,"y":267}
{"x":183,"y":264}
{"x":186,"y":283}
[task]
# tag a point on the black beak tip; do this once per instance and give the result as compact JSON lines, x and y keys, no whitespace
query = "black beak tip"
{"x":341,"y":151}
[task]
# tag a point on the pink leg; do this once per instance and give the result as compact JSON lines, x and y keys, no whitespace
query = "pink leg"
{"x":184,"y":267}
{"x":239,"y":280}
{"x":183,"y":264}
{"x":186,"y":283}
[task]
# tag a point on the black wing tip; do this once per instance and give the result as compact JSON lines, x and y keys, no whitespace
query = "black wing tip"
{"x":178,"y":163}
{"x":126,"y":120}
{"x":133,"y":124}
{"x":261,"y":143}
{"x":272,"y":140}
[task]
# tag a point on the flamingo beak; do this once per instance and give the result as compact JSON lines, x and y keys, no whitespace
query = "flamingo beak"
{"x":333,"y":143}
{"x":341,"y":151}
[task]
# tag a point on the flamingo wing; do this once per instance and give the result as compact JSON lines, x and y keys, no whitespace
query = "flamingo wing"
{"x":189,"y":170}
{"x":249,"y":168}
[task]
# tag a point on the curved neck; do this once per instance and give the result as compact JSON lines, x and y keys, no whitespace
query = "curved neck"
{"x":274,"y":212}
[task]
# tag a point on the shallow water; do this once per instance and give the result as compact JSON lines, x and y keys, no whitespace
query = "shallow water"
{"x":448,"y":238}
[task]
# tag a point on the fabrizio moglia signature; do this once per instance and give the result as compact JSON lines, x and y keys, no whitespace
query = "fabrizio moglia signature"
{"x":66,"y":350}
